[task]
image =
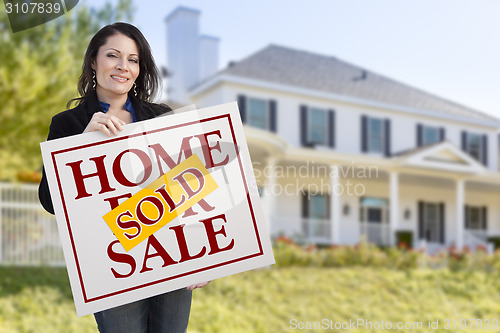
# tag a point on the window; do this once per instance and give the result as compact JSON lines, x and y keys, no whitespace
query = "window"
{"x":476,"y":145}
{"x":475,"y":217}
{"x":430,"y":135}
{"x":318,"y":126}
{"x":316,"y":214}
{"x":257,"y":113}
{"x":375,"y":135}
{"x":431,"y":222}
{"x":473,"y":145}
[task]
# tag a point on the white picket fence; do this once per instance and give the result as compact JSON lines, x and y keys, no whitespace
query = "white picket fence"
{"x":28,"y":234}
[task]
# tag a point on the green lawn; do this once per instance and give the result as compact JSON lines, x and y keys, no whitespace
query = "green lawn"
{"x":277,"y":300}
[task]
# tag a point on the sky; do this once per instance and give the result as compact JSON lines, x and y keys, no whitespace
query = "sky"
{"x":450,"y":48}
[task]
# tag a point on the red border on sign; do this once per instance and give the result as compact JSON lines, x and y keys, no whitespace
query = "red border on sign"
{"x":73,"y":246}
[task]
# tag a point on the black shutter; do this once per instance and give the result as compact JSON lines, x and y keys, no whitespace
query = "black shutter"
{"x":328,"y":208}
{"x":331,"y":128}
{"x":464,"y":141}
{"x":387,"y":137}
{"x":484,"y":154}
{"x":484,"y":213}
{"x":441,"y":222}
{"x":272,"y":116}
{"x":421,"y":220}
{"x":305,"y":205}
{"x":420,"y":130}
{"x":242,"y":105}
{"x":303,"y":125}
{"x":442,"y":134}
{"x":364,"y":134}
{"x":466,"y":217}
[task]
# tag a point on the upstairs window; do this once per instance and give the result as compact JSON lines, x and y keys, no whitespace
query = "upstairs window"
{"x":476,"y":145}
{"x":375,"y":135}
{"x":427,"y":135}
{"x":258,"y":112}
{"x":317,"y":126}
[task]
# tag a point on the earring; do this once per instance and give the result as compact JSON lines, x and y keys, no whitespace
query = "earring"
{"x":135,"y":91}
{"x":94,"y":83}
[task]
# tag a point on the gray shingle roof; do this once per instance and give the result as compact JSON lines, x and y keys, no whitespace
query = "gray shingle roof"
{"x":288,"y":66}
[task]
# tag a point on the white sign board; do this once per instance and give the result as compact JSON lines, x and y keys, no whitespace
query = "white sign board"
{"x":222,"y":234}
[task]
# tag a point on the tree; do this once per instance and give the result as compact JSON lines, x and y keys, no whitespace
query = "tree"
{"x":39,"y":70}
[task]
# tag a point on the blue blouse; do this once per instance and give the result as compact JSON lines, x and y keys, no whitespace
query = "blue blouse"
{"x":128,"y":106}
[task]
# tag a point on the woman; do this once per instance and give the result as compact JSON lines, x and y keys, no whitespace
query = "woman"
{"x":118,"y":82}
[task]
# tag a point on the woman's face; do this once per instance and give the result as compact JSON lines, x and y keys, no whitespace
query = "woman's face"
{"x":116,"y":67}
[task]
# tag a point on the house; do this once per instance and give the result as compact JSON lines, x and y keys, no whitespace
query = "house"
{"x":342,"y":153}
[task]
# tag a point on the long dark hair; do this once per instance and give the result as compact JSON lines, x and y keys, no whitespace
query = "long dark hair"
{"x":147,"y":82}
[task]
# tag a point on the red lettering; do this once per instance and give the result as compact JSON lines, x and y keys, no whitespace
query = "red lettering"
{"x":114,"y":201}
{"x":203,"y":204}
{"x":128,"y":224}
{"x":209,"y":162}
{"x":118,"y":173}
{"x":160,"y":153}
{"x":185,"y":185}
{"x":143,"y":218}
{"x":212,"y":234}
{"x":160,"y":252}
{"x":183,"y":248}
{"x":123,"y":258}
{"x":168,"y":199}
{"x":79,"y":177}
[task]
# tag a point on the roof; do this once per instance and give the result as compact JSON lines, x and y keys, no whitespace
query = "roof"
{"x":304,"y":69}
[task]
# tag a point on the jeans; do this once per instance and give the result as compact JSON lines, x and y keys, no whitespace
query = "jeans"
{"x":168,"y":312}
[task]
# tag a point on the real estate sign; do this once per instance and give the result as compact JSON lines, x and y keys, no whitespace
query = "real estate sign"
{"x":170,"y":202}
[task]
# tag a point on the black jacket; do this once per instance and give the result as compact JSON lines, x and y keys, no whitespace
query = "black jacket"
{"x":74,"y":121}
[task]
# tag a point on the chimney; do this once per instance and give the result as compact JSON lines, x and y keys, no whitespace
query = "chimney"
{"x":191,"y":57}
{"x":209,"y":59}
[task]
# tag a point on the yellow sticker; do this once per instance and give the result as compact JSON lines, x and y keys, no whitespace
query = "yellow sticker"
{"x":160,"y":202}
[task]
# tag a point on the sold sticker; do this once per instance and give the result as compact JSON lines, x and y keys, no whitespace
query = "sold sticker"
{"x":160,"y":202}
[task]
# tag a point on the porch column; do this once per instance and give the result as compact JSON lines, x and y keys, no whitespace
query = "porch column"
{"x":393,"y":206}
{"x":269,"y":197}
{"x":335,"y":193}
{"x":459,"y":207}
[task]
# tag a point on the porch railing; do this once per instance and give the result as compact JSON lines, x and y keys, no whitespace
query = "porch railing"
{"x":309,"y":230}
{"x":377,"y":233}
{"x":28,"y":234}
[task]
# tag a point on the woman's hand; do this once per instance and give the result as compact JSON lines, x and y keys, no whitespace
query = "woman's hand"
{"x":198,"y":285}
{"x":105,"y":123}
